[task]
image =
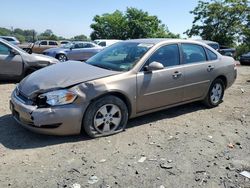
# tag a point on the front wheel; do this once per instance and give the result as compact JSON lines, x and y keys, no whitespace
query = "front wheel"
{"x":62,"y":57}
{"x":215,"y":93}
{"x":105,"y":116}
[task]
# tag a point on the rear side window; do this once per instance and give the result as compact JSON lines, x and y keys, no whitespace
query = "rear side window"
{"x":102,"y":43}
{"x":211,"y":55}
{"x":4,"y":50}
{"x":52,"y":43}
{"x":193,"y":53}
{"x":167,"y":55}
{"x":88,"y":45}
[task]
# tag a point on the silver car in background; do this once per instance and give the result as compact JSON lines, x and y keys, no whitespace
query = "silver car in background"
{"x":125,"y":80}
{"x":16,"y":63}
{"x":80,"y":51}
{"x":12,"y":40}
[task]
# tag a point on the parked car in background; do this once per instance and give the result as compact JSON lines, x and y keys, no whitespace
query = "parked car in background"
{"x":39,"y":46}
{"x":16,"y":63}
{"x":126,"y":80}
{"x":245,"y":59}
{"x":12,"y":40}
{"x":223,"y":50}
{"x":106,"y":42}
{"x":63,"y":42}
{"x":80,"y":51}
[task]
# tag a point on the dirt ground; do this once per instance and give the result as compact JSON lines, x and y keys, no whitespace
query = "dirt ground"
{"x":186,"y":146}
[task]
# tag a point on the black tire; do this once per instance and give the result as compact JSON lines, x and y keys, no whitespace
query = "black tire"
{"x":62,"y":57}
{"x":93,"y":111}
{"x":211,"y":101}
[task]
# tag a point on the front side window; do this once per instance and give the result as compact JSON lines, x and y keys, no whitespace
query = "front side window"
{"x":4,"y":50}
{"x":78,"y":45}
{"x":193,"y":53}
{"x":43,"y":43}
{"x":121,"y":56}
{"x":167,"y":55}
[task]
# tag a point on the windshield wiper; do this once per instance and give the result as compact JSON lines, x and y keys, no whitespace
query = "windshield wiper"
{"x":103,"y":67}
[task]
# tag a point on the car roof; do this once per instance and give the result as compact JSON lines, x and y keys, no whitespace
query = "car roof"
{"x":75,"y":42}
{"x":8,"y":37}
{"x":207,"y":41}
{"x":160,"y":40}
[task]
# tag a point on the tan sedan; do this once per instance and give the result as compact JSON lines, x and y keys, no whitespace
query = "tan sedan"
{"x":125,"y":80}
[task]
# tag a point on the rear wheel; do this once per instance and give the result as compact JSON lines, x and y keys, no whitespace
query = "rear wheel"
{"x":62,"y":57}
{"x":105,"y":116}
{"x":215,"y":93}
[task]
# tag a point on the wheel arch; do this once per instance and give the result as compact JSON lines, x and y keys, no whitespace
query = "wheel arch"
{"x":61,"y":53}
{"x":223,"y":78}
{"x":118,"y":94}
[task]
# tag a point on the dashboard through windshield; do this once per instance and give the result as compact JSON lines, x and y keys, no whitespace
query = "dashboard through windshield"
{"x":121,"y":56}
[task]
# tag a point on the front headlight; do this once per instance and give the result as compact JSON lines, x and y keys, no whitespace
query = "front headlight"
{"x":59,"y":97}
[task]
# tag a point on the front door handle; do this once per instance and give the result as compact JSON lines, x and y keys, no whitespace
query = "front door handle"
{"x":210,"y":68}
{"x":177,"y":74}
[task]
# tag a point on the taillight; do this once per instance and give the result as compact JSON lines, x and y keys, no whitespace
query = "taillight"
{"x":235,"y":65}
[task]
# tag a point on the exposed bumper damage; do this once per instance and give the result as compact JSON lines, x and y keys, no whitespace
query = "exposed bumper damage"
{"x":58,"y":120}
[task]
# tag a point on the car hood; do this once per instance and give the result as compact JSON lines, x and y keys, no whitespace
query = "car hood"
{"x":61,"y":75}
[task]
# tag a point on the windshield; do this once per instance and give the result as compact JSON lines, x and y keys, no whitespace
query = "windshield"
{"x":15,"y":47}
{"x":121,"y":56}
{"x":68,"y":45}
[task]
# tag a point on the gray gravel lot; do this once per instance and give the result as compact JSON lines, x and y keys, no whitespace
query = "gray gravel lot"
{"x":186,"y":146}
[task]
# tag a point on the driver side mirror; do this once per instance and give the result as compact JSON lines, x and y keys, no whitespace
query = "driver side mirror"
{"x":13,"y":52}
{"x":153,"y":66}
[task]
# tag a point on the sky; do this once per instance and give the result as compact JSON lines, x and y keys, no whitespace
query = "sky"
{"x":69,"y":18}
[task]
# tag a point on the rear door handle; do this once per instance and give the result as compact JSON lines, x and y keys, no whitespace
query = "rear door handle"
{"x":210,"y":68}
{"x":177,"y":74}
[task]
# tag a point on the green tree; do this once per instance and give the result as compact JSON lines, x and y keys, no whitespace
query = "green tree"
{"x":109,"y":26}
{"x":47,"y":35}
{"x":4,"y":31}
{"x":80,"y":37}
{"x":244,"y":47}
{"x":219,"y":20}
{"x":132,"y":24}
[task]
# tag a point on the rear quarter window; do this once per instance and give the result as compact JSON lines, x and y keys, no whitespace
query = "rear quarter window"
{"x":211,"y":55}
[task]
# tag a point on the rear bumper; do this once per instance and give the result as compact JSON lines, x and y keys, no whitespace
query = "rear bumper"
{"x":60,"y":120}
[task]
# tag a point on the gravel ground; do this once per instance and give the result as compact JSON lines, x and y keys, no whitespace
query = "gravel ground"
{"x":186,"y":146}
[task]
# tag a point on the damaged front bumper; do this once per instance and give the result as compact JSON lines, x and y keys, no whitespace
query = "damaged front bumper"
{"x":56,"y":120}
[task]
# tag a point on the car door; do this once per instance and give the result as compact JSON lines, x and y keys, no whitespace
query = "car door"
{"x":39,"y":48}
{"x":199,"y":71}
{"x":163,"y":87}
{"x":10,"y":64}
{"x":75,"y":52}
{"x":87,"y":51}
